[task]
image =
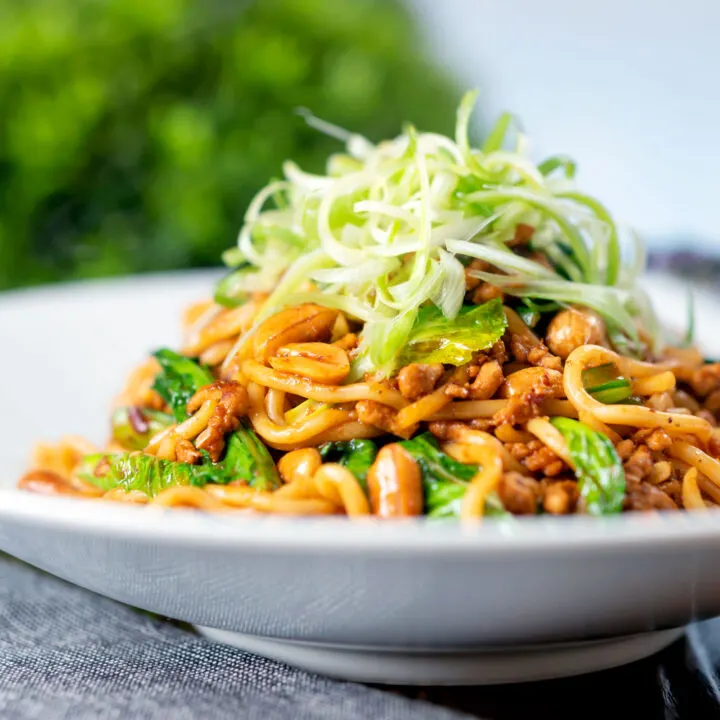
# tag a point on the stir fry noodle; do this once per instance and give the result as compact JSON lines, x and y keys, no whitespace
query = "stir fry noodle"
{"x":429,"y":328}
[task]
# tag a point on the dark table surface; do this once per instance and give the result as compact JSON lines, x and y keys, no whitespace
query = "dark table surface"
{"x":680,"y":683}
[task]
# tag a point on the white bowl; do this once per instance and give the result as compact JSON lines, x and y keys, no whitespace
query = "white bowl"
{"x":423,"y":602}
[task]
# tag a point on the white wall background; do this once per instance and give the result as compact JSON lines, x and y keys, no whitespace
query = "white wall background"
{"x":629,"y":88}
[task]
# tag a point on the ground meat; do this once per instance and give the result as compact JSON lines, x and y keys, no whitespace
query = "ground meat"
{"x":542,"y":357}
{"x":560,"y":498}
{"x":519,"y":493}
{"x":347,"y":342}
{"x":488,"y":381}
{"x":447,"y":429}
{"x":644,"y":497}
{"x":625,"y":448}
{"x":640,"y":463}
{"x":472,"y":282}
{"x":381,"y":416}
{"x":656,"y":439}
{"x":533,"y":354}
{"x":673,"y":488}
{"x":485,"y":424}
{"x":456,"y":391}
{"x":706,"y":379}
{"x":186,"y":452}
{"x":544,"y":460}
{"x":537,"y":457}
{"x":498,"y":352}
{"x":485,"y":292}
{"x":526,"y":405}
{"x":523,"y":234}
{"x":458,"y":384}
{"x":520,"y":450}
{"x":417,"y":379}
{"x":232,"y":405}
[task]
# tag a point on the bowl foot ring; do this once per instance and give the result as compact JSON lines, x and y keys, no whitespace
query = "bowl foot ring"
{"x":409,"y":666}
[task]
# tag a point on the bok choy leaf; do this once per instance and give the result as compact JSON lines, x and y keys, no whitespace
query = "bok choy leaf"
{"x":445,"y":480}
{"x":599,"y":470}
{"x":179,"y":379}
{"x":435,"y":339}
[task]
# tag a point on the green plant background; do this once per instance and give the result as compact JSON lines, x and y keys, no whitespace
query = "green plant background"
{"x":134,"y":132}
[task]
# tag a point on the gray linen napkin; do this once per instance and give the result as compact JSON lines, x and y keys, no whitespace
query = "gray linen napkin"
{"x":68,"y":654}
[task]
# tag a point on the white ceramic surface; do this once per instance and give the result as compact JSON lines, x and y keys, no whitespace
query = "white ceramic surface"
{"x":422,"y":598}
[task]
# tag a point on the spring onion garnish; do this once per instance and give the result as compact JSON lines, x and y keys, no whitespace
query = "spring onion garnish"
{"x":606,"y":385}
{"x":389,"y":228}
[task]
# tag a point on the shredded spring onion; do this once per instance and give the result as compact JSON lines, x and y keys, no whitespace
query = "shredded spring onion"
{"x":391,"y":227}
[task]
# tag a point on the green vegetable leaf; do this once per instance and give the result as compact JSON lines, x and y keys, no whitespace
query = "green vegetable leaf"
{"x":434,"y":338}
{"x":146,"y":473}
{"x":133,"y":427}
{"x":599,"y":470}
{"x":356,"y":455}
{"x":180,"y":378}
{"x":604,"y":383}
{"x":610,"y":393}
{"x":445,"y":480}
{"x":231,"y":291}
{"x":531,"y":312}
{"x":246,"y":459}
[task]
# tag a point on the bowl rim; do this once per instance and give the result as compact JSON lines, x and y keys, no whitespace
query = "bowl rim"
{"x":534,"y":535}
{"x":185,"y":527}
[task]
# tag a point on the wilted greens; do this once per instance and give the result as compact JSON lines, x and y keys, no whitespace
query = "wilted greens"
{"x":445,"y":479}
{"x":599,"y":470}
{"x":356,"y":455}
{"x":435,"y":339}
{"x":246,"y":458}
{"x":179,"y":379}
{"x":133,"y":427}
{"x":605,"y":384}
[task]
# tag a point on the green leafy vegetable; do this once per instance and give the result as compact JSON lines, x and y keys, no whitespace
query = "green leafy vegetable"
{"x":599,"y":470}
{"x":445,"y":480}
{"x":435,"y":339}
{"x":231,"y":291}
{"x":133,"y":427}
{"x":146,"y":473}
{"x":246,"y":458}
{"x":610,"y":393}
{"x":180,"y":378}
{"x":604,"y":383}
{"x":531,"y":312}
{"x":356,"y":455}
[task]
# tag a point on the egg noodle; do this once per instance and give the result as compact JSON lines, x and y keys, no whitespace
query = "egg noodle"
{"x":427,"y":329}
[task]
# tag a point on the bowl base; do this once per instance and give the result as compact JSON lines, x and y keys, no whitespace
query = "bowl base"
{"x":492,"y":666}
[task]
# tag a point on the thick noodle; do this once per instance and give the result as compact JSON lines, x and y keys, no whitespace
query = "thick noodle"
{"x":588,"y":356}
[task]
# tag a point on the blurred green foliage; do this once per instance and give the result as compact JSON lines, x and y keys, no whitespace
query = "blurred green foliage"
{"x":134,"y":132}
